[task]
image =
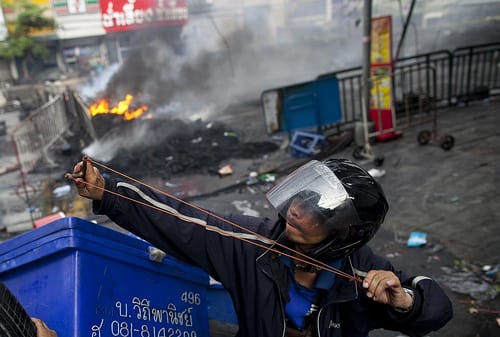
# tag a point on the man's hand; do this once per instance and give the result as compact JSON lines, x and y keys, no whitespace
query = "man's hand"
{"x":42,"y":330}
{"x":88,"y":180}
{"x":385,"y":287}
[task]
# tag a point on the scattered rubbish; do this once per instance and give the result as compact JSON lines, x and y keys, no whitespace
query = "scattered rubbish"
{"x":170,"y":185}
{"x":468,"y":283}
{"x":379,"y":161}
{"x":417,"y":239}
{"x":376,"y":173}
{"x":61,"y":191}
{"x":252,"y":178}
{"x":392,"y":255}
{"x":197,"y":140}
{"x":487,"y":267}
{"x":434,"y":249}
{"x":245,"y":207}
{"x":433,"y":258}
{"x":251,"y":190}
{"x":473,"y":310}
{"x":304,"y":144}
{"x":491,"y":271}
{"x":225,"y":170}
{"x":268,"y":177}
{"x":173,"y":139}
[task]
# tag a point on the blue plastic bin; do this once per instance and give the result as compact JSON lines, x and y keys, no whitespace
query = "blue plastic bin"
{"x":220,"y":306}
{"x":87,"y":280}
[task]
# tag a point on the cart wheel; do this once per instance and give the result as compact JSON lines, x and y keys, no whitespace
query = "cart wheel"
{"x":424,"y":137}
{"x":448,"y":142}
{"x":358,"y":153}
{"x":379,"y":161}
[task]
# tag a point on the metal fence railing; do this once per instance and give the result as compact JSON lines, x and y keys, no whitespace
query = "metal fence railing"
{"x":475,"y":72}
{"x":33,"y":137}
{"x":83,"y":117}
{"x":458,"y":77}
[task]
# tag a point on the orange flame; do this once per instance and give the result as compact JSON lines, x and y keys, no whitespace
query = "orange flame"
{"x":122,"y":108}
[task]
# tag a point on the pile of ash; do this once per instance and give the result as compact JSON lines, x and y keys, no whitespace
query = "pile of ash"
{"x":168,"y":147}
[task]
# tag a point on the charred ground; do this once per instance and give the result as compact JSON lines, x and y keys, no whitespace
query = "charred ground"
{"x":176,"y":147}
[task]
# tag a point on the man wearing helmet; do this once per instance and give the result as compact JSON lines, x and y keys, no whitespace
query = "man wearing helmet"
{"x":301,"y":279}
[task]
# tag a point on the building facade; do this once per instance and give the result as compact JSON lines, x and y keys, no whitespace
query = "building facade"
{"x":91,"y":34}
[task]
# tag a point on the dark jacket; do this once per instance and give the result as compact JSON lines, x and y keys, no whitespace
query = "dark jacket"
{"x":255,"y":277}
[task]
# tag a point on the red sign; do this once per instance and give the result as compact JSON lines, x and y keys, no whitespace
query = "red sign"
{"x":123,"y":15}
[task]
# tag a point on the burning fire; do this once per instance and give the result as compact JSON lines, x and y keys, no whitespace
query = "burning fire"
{"x":122,"y":108}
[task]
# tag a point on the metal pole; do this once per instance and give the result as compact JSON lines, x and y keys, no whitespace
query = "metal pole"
{"x":405,"y":28}
{"x":367,"y":25}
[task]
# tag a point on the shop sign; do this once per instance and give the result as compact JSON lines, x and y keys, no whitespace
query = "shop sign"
{"x":67,"y":7}
{"x":123,"y":15}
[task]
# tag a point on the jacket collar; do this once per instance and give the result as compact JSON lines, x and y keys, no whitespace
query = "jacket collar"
{"x":343,"y":290}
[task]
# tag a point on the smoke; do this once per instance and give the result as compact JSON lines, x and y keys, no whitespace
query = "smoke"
{"x":97,"y":83}
{"x":182,"y":81}
{"x":218,"y":63}
{"x":120,"y":139}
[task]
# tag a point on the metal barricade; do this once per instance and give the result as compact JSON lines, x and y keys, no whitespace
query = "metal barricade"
{"x":37,"y":133}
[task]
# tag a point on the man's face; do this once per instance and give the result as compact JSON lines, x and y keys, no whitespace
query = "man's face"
{"x":302,"y":226}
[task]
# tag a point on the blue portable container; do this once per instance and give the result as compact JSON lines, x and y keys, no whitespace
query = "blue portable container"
{"x":220,"y":306}
{"x":87,"y":280}
{"x":313,"y":105}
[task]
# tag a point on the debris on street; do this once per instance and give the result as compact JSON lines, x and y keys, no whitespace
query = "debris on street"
{"x":376,"y":173}
{"x":225,"y":170}
{"x":417,"y":239}
{"x":467,"y":282}
{"x":175,"y":147}
{"x":245,"y":207}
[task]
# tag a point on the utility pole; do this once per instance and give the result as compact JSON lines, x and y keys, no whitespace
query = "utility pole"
{"x":365,"y":82}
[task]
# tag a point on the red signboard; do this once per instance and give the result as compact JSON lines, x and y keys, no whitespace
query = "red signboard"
{"x":123,"y":15}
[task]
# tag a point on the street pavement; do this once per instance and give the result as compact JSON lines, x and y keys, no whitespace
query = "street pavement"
{"x":451,"y":196}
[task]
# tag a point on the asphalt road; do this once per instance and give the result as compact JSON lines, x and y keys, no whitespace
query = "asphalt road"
{"x":452,"y":196}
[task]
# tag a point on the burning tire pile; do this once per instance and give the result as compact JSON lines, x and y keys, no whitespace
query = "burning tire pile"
{"x":171,"y":147}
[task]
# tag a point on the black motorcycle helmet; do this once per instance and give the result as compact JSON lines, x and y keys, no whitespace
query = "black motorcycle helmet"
{"x":351,"y":204}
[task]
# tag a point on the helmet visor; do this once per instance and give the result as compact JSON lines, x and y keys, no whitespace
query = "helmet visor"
{"x":320,"y":193}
